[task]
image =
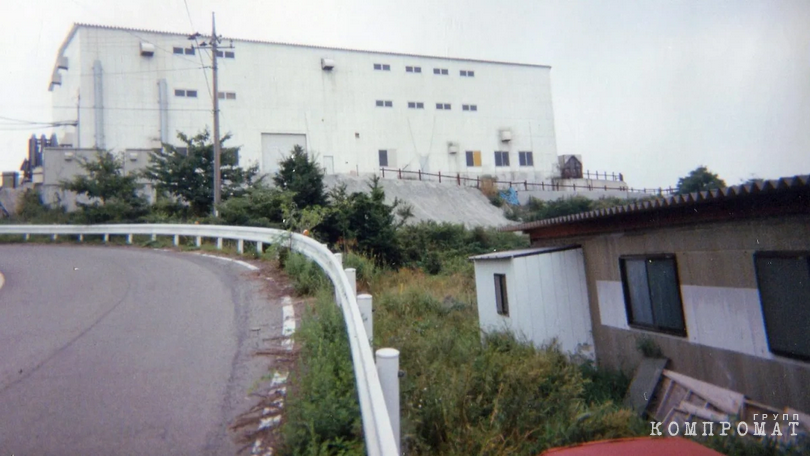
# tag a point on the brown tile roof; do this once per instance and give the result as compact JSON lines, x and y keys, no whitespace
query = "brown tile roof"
{"x":765,"y":187}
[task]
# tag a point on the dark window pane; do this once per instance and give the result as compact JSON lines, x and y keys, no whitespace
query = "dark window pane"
{"x":409,"y":69}
{"x":665,"y":294}
{"x":383,"y":158}
{"x":501,"y":295}
{"x":473,"y":107}
{"x":387,"y":67}
{"x":446,"y":106}
{"x":229,"y":55}
{"x":439,"y":106}
{"x":420,"y":105}
{"x":437,"y":71}
{"x":638,"y":291}
{"x":380,"y":103}
{"x":522,"y":158}
{"x":784,"y":289}
{"x":177,"y":50}
{"x":231,"y":95}
{"x":470,"y":158}
{"x":463,"y":73}
{"x":220,"y":54}
{"x":417,"y":69}
{"x":529,"y":158}
{"x":189,"y":51}
{"x":388,"y":104}
{"x":179,"y":93}
{"x":444,"y":72}
{"x":411,"y":105}
{"x":471,"y":73}
{"x":377,"y":66}
{"x":191,"y":93}
{"x":221,"y":95}
{"x":505,"y":158}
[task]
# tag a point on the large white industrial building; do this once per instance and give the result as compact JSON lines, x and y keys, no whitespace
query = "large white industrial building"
{"x":356,"y":111}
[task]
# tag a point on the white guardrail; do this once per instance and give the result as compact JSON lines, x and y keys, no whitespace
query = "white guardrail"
{"x":379,"y":434}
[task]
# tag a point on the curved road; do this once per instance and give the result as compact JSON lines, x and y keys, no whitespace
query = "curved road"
{"x":120,"y":350}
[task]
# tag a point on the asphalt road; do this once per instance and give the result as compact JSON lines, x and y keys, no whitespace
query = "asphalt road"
{"x":108,"y":350}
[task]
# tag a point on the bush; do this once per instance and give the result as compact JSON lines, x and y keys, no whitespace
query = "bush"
{"x":306,"y":275}
{"x":31,"y":209}
{"x":323,"y":415}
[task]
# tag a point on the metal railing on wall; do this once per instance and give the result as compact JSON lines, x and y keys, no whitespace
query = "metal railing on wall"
{"x":478,"y":181}
{"x":380,"y":436}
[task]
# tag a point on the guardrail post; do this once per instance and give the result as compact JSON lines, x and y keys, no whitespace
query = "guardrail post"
{"x":240,"y":246}
{"x":388,"y":370}
{"x":154,"y":237}
{"x":198,"y":241}
{"x":383,"y":172}
{"x":54,"y":236}
{"x":27,"y":236}
{"x":364,"y":302}
{"x":219,"y":243}
{"x":176,"y":240}
{"x":259,"y":247}
{"x":129,"y":239}
{"x":420,"y":174}
{"x":399,"y":173}
{"x":458,"y":179}
{"x":106,"y":238}
{"x":81,"y":238}
{"x":339,"y":258}
{"x":440,"y":177}
{"x":351,"y":274}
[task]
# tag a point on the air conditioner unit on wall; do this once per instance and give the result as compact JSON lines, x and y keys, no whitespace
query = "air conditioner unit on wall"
{"x":452,"y":148}
{"x":62,"y":63}
{"x":506,"y":135}
{"x":327,"y":64}
{"x":147,"y":49}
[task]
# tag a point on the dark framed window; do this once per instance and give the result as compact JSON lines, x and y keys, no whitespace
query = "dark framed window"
{"x":384,"y":103}
{"x":473,"y":158}
{"x":652,"y":293}
{"x":229,"y":55}
{"x":179,"y":92}
{"x":783,"y":279}
{"x":230,"y":95}
{"x":389,"y":103}
{"x":501,"y":158}
{"x":441,"y":71}
{"x":416,"y":105}
{"x":177,"y":50}
{"x":526,"y":158}
{"x":501,"y":295}
{"x":467,"y":73}
{"x":413,"y":69}
{"x":189,"y":51}
{"x":378,"y":66}
{"x":191,"y":93}
{"x":383,"y":154}
{"x":469,"y":107}
{"x":382,"y":67}
{"x":220,"y":54}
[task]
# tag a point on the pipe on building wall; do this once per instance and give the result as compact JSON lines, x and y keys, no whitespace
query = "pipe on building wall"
{"x":98,"y":103}
{"x":163,"y":104}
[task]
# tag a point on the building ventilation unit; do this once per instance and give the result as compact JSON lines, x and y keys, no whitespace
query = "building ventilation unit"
{"x":147,"y":49}
{"x":69,"y":156}
{"x":327,"y":64}
{"x":62,"y":63}
{"x":452,"y":148}
{"x":506,"y":135}
{"x":133,"y":156}
{"x":56,"y":79}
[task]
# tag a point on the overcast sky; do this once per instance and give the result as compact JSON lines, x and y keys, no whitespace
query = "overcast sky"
{"x":651,"y":89}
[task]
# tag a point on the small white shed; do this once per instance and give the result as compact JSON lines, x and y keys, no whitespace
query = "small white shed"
{"x":539,"y":294}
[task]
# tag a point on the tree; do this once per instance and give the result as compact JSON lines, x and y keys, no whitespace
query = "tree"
{"x":190,"y":176}
{"x":114,"y":196}
{"x":698,"y":180}
{"x":300,"y":173}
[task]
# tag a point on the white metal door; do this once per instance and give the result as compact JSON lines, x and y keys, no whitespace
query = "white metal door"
{"x":328,"y":164}
{"x":277,"y":146}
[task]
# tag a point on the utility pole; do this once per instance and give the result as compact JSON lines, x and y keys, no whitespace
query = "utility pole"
{"x":217,"y":145}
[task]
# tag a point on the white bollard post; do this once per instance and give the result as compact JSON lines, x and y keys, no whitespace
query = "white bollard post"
{"x":27,"y":236}
{"x":219,"y":243}
{"x":81,"y":238}
{"x":154,"y":237}
{"x":339,"y":258}
{"x":176,"y":240}
{"x":129,"y":239}
{"x":388,"y":370}
{"x":240,"y":246}
{"x":364,"y":302}
{"x":54,"y":237}
{"x":351,"y":273}
{"x":106,"y":238}
{"x":198,"y":241}
{"x":259,"y":247}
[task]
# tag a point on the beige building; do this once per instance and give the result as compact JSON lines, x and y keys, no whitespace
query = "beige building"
{"x":719,"y":281}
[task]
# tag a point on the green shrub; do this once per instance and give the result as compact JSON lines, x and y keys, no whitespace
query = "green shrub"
{"x":306,"y":275}
{"x":323,"y":415}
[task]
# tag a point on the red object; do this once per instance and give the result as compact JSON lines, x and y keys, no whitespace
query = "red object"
{"x":667,"y":446}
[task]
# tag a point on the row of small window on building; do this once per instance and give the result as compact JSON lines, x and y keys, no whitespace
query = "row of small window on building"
{"x":473,"y":158}
{"x":421,"y":105}
{"x":416,"y":69}
{"x":191,"y":51}
{"x":653,"y":297}
{"x":193,"y":94}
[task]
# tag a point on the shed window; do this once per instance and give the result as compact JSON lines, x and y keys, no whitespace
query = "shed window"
{"x":652,"y":294}
{"x":784,"y":291}
{"x":383,"y":158}
{"x":501,"y":299}
{"x":501,"y":158}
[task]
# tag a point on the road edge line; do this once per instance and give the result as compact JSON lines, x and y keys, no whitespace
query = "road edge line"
{"x":2,"y":280}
